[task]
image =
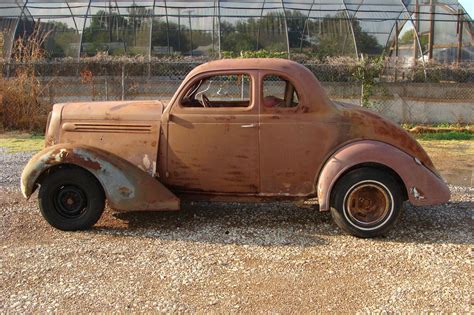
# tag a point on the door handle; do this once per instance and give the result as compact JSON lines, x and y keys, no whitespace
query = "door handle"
{"x":249,"y":126}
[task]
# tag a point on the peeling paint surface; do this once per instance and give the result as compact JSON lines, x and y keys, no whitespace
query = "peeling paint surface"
{"x":411,"y":173}
{"x":229,"y":152}
{"x":126,"y":186}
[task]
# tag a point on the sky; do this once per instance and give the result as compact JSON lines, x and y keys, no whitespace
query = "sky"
{"x":469,"y":6}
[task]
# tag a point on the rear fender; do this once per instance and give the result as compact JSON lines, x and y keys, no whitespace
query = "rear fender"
{"x":422,"y":186}
{"x":125,"y":185}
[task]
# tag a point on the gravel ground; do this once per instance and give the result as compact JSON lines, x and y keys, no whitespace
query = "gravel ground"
{"x":277,"y":257}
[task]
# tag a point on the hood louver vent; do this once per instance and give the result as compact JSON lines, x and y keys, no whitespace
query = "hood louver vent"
{"x":111,"y":128}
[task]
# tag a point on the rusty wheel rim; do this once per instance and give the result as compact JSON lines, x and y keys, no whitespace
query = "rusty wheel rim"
{"x":368,"y":205}
{"x":70,"y":201}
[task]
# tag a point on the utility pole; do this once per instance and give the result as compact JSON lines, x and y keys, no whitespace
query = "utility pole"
{"x":460,"y":31}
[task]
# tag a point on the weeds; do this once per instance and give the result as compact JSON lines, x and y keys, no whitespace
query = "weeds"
{"x":368,"y":72}
{"x":20,"y":107}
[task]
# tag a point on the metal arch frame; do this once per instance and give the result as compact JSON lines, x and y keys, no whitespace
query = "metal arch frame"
{"x":190,"y":29}
{"x":151,"y":30}
{"x":260,"y":24}
{"x":217,"y":10}
{"x":86,"y":17}
{"x":349,"y":20}
{"x":22,"y":14}
{"x":150,"y":35}
{"x":218,"y":25}
{"x":305,"y":23}
{"x":410,"y":18}
{"x":14,"y":32}
{"x":118,"y":25}
{"x":72,"y":14}
{"x":465,"y":12}
{"x":285,"y":23}
{"x":167,"y":27}
{"x":394,"y":26}
{"x":83,"y":28}
{"x":457,"y":12}
{"x":286,"y":28}
{"x":77,"y":28}
{"x":469,"y":22}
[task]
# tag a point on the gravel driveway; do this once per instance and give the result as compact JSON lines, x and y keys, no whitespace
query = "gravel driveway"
{"x":277,"y":257}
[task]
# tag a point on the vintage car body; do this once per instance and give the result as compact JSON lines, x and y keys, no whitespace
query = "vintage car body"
{"x":146,"y":153}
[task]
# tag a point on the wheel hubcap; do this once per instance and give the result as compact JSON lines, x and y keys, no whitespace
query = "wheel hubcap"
{"x":70,"y":201}
{"x":368,"y":204}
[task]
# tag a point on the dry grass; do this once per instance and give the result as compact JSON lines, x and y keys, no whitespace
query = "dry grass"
{"x":434,"y":129}
{"x":453,"y":159}
{"x":20,"y":107}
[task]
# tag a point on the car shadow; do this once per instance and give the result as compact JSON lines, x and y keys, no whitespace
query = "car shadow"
{"x":282,"y":224}
{"x":266,"y":224}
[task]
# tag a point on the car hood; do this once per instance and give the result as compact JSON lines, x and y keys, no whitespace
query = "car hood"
{"x":367,"y":125}
{"x":128,"y":129}
{"x":116,"y":110}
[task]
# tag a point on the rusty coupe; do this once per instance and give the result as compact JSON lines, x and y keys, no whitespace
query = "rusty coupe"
{"x":235,"y":130}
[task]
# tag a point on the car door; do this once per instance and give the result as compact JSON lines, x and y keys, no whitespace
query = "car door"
{"x":212,"y":135}
{"x":293,"y":142}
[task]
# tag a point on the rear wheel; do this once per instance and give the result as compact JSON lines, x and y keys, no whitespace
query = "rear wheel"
{"x":71,"y":199}
{"x":366,"y":202}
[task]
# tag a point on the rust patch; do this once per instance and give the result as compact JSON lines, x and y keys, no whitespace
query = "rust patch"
{"x":364,"y":124}
{"x":125,"y":192}
{"x":85,"y":162}
{"x":49,"y":141}
{"x":224,"y":118}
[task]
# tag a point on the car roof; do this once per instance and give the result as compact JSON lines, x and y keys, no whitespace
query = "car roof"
{"x":275,"y":64}
{"x":308,"y":83}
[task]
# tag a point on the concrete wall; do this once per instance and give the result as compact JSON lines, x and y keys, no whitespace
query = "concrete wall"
{"x":401,"y":102}
{"x":414,"y":102}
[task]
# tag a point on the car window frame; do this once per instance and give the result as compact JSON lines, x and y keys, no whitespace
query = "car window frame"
{"x":200,"y":76}
{"x":263,"y":75}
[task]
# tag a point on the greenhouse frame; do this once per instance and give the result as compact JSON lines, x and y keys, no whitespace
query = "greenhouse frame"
{"x":410,"y":29}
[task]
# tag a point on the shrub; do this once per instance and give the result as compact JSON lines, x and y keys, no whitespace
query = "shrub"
{"x":20,"y":107}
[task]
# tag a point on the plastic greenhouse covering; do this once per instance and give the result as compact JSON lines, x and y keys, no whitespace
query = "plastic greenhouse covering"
{"x":412,"y":29}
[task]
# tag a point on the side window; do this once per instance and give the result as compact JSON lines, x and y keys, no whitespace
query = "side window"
{"x":228,"y":90}
{"x":279,"y":93}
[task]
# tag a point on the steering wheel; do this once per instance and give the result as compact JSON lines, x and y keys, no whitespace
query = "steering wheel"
{"x":204,"y":100}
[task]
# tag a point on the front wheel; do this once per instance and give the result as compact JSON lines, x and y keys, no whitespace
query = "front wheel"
{"x":366,"y":202}
{"x":71,"y":199}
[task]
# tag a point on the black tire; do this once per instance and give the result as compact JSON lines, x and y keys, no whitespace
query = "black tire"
{"x":71,"y":199}
{"x":366,"y":202}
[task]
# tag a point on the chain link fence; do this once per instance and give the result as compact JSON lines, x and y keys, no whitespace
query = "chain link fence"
{"x":407,"y":95}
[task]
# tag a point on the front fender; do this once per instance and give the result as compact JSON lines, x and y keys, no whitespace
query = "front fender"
{"x":125,"y":185}
{"x":422,"y":185}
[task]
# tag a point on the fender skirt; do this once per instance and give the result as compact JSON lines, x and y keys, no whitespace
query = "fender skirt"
{"x":125,"y":185}
{"x":423,"y":187}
